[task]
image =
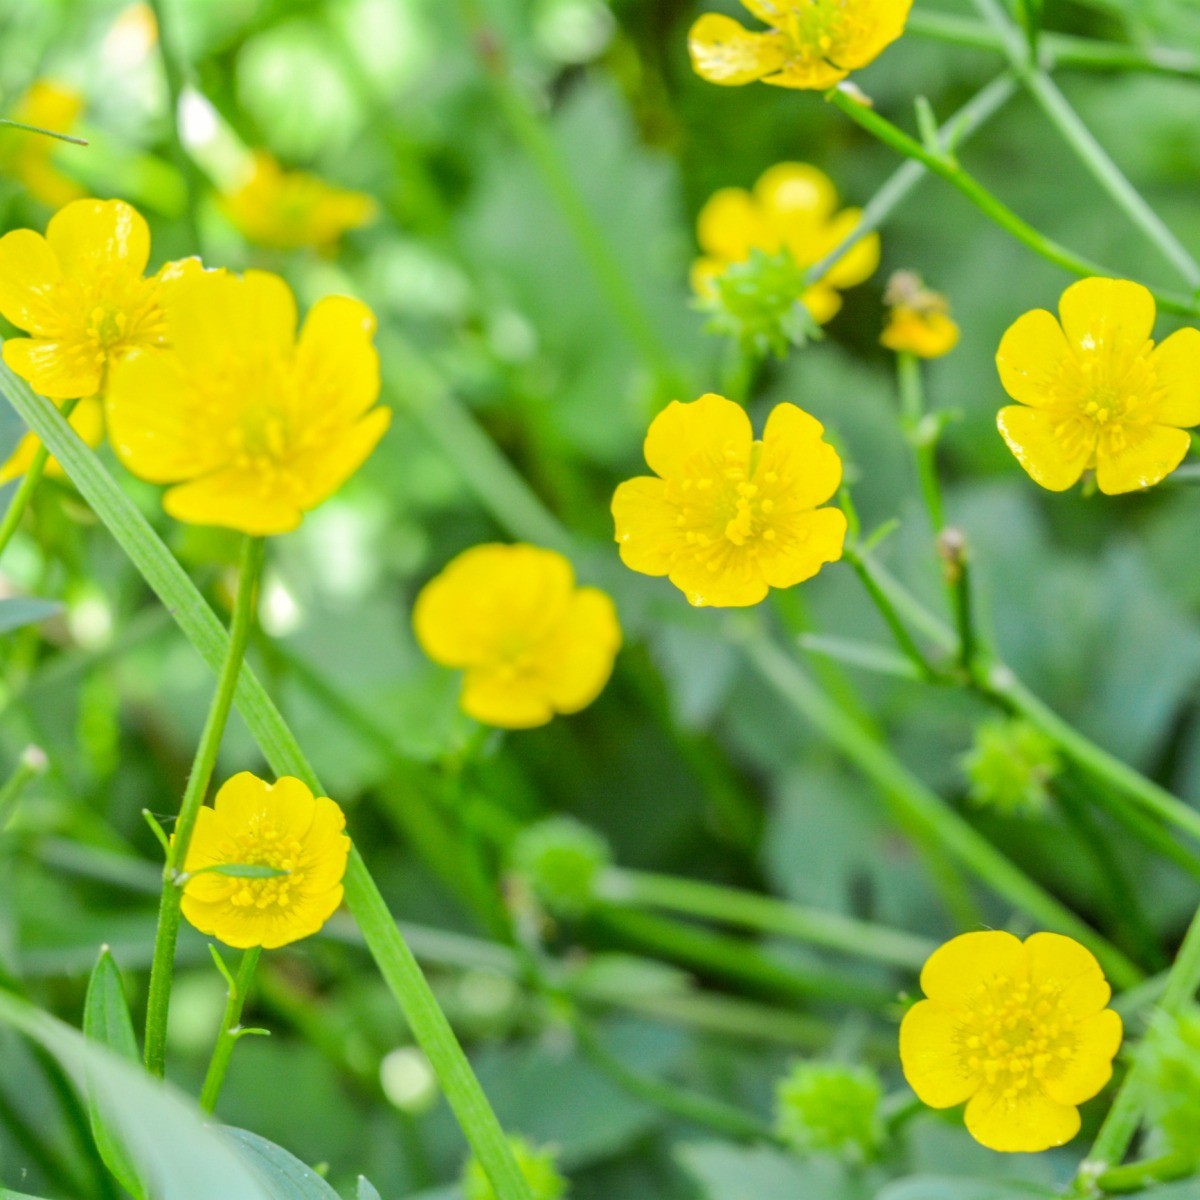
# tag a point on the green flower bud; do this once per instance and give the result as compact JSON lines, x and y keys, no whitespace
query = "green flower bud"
{"x":1010,"y":767}
{"x":561,"y":859}
{"x":758,"y":302}
{"x":537,"y":1166}
{"x":1172,"y":1081}
{"x":829,"y":1108}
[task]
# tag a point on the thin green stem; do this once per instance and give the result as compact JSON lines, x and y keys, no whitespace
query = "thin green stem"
{"x":162,"y":971}
{"x":30,"y":766}
{"x":1058,"y":49}
{"x":1121,"y":1124}
{"x":231,"y":1031}
{"x":176,"y":73}
{"x":766,"y":914}
{"x":50,"y":133}
{"x":1088,"y":150}
{"x":21,"y":498}
{"x":948,"y":168}
{"x":921,"y":433}
{"x":1141,"y":1176}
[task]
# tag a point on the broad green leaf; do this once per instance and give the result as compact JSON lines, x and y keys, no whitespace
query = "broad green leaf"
{"x":16,"y":614}
{"x":106,"y":1020}
{"x":7,"y":1195}
{"x":177,"y":1154}
{"x":283,"y":1174}
{"x":367,"y":1190}
{"x":724,"y":1172}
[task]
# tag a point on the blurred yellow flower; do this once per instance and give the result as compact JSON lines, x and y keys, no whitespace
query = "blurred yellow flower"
{"x":286,"y":210}
{"x":729,"y":517}
{"x":253,"y":425}
{"x":80,"y":292}
{"x":792,"y":209}
{"x":919,"y":320}
{"x":1018,"y":1030}
{"x":30,"y":157}
{"x":1095,"y":392}
{"x":282,"y":826}
{"x":811,"y":43}
{"x":531,"y":643}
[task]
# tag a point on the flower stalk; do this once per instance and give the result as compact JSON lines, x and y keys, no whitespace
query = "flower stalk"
{"x":231,"y":1031}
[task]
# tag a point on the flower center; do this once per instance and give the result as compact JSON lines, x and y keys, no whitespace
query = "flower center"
{"x":107,"y":326}
{"x":821,"y":29}
{"x":263,"y":844}
{"x":1017,"y":1035}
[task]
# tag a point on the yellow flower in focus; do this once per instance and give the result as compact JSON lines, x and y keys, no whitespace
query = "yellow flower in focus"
{"x":253,"y":425}
{"x":531,"y":643}
{"x":1018,"y":1030}
{"x":30,"y":157}
{"x":729,"y":517}
{"x":1095,"y":392}
{"x":286,"y":210}
{"x":257,"y":824}
{"x":919,"y":320}
{"x":811,"y":43}
{"x":792,"y":209}
{"x":81,"y":295}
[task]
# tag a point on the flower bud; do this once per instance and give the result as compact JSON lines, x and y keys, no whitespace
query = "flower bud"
{"x":830,"y":1108}
{"x":561,"y":859}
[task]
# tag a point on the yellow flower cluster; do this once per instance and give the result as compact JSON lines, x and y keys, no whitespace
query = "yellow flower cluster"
{"x":793,"y":209}
{"x":281,"y":828}
{"x":1020,"y":1031}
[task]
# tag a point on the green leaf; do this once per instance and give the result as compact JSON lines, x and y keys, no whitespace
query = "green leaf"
{"x":241,"y":871}
{"x":283,"y":1174}
{"x":177,"y":1154}
{"x":724,"y":1172}
{"x":106,"y":1020}
{"x":367,"y":1190}
{"x":927,"y":1187}
{"x":7,"y":1195}
{"x":15,"y":614}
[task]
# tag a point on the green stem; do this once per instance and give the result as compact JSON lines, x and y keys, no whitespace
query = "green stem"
{"x":923,"y":813}
{"x":921,"y":433}
{"x":162,"y":971}
{"x":230,"y":1032}
{"x":945,"y":166}
{"x":30,"y":766}
{"x":766,"y":914}
{"x":1088,"y":150}
{"x":1058,"y":49}
{"x":1139,"y":1177}
{"x":50,"y":133}
{"x":11,"y":520}
{"x":1125,"y":1116}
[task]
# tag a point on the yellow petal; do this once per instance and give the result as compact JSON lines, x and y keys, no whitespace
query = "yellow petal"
{"x":802,"y":546}
{"x":808,"y":468}
{"x":822,"y":302}
{"x":58,"y":370}
{"x":728,"y":577}
{"x":1130,"y":457}
{"x":809,"y":72}
{"x":881,"y":23}
{"x":496,"y":697}
{"x":860,"y":261}
{"x":337,"y":364}
{"x":731,"y":224}
{"x":1113,"y":317}
{"x":158,"y":423}
{"x":29,"y":280}
{"x":709,"y":433}
{"x":1026,"y":1124}
{"x":326,"y":848}
{"x":773,"y":12}
{"x":1090,"y":1067}
{"x":1176,"y":365}
{"x":925,"y":334}
{"x":1032,"y":356}
{"x":645,"y":525}
{"x":94,"y":236}
{"x":317,"y":474}
{"x":794,"y":193}
{"x":1064,"y":963}
{"x":954,"y":972}
{"x":578,"y":659}
{"x":1054,"y":447}
{"x":234,"y":499}
{"x":929,"y":1054}
{"x":704,"y":274}
{"x":724,"y":52}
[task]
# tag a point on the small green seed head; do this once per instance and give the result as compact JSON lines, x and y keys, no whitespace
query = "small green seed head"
{"x":1010,"y":768}
{"x":561,"y":860}
{"x":830,"y":1108}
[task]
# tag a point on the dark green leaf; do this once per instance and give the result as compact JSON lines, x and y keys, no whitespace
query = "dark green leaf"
{"x":283,"y":1174}
{"x":366,"y":1190}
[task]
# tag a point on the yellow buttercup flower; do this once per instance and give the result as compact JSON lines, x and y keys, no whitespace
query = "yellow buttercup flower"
{"x":30,"y":157}
{"x":919,"y":320}
{"x":530,"y":642}
{"x":792,"y":209}
{"x":811,"y":43}
{"x":1018,"y":1030}
{"x":286,"y":210}
{"x":81,"y":295}
{"x":257,"y":824}
{"x":729,"y":517}
{"x":252,"y":425}
{"x":1095,"y":392}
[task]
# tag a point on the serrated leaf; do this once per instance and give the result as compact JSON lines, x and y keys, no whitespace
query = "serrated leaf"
{"x":16,"y":614}
{"x":106,"y":1020}
{"x":282,"y":1173}
{"x":367,"y":1190}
